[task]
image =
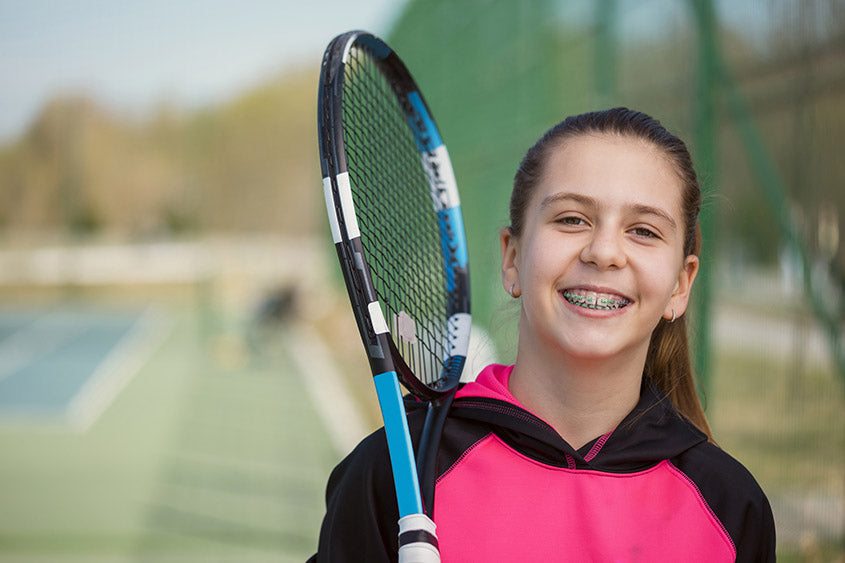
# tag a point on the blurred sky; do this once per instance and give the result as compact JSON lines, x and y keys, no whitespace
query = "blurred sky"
{"x":133,"y":55}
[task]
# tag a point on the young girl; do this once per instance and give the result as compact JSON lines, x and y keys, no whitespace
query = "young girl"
{"x":593,"y":446}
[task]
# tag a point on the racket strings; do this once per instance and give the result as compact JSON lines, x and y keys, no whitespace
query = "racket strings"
{"x":400,"y":231}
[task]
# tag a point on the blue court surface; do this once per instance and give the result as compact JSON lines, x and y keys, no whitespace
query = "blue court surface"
{"x":66,"y":364}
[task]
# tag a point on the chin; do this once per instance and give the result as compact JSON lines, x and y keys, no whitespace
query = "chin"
{"x":598,"y":348}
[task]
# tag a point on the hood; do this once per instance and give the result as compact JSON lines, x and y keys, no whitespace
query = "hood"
{"x":652,"y":431}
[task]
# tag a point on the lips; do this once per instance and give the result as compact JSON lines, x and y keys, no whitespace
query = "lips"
{"x":595,"y":300}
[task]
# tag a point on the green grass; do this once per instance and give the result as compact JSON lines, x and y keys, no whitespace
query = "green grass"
{"x":786,"y":425}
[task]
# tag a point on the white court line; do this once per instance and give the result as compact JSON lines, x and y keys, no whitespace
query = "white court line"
{"x":329,"y":392}
{"x":326,"y":388}
{"x":40,"y":337}
{"x":118,"y":368}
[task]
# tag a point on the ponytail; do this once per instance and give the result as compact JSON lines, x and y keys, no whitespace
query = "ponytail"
{"x":668,"y":364}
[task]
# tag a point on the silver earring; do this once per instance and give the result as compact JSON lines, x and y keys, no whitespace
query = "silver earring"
{"x":511,"y":290}
{"x":673,"y":316}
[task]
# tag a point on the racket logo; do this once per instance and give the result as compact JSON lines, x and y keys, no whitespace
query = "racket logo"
{"x":406,"y":328}
{"x":441,"y":192}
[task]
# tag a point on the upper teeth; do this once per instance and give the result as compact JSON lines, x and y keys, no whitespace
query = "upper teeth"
{"x":592,"y":300}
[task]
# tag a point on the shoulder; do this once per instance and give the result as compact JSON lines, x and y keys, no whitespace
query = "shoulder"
{"x":735,"y":498}
{"x":370,"y":459}
{"x":365,"y":463}
{"x":361,"y":510}
{"x":366,"y":473}
{"x":359,"y":506}
{"x":712,"y":466}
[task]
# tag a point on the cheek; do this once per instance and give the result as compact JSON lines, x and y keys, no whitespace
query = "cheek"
{"x":663,"y":281}
{"x":654,"y":270}
{"x":543,"y":259}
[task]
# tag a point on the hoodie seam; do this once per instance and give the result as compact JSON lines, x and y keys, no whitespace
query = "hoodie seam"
{"x":702,"y":502}
{"x":594,"y":451}
{"x":463,"y":456}
{"x":506,"y":408}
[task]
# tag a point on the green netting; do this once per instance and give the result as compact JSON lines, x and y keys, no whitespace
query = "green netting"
{"x":757,"y":88}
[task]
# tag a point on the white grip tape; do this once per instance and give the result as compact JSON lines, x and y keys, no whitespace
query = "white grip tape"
{"x":418,"y":552}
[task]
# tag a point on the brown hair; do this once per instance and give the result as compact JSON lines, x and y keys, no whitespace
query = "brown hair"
{"x":668,"y":361}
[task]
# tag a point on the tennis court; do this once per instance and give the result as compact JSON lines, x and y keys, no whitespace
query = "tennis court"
{"x":153,"y":424}
{"x":65,"y":365}
{"x":140,"y":429}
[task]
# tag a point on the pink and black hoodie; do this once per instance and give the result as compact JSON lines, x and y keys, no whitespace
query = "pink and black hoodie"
{"x":509,"y":488}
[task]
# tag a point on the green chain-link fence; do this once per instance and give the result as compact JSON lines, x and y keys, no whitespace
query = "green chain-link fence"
{"x":757,"y":88}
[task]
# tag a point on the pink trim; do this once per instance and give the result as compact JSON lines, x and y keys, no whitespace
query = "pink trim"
{"x":570,"y":461}
{"x":594,"y":451}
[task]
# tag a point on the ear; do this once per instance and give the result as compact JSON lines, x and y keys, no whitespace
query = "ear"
{"x":510,"y":261}
{"x":680,"y":297}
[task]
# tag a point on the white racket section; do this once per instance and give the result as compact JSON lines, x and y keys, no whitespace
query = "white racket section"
{"x":344,"y":190}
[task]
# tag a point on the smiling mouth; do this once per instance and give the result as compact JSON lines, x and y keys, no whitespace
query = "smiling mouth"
{"x":593,"y":300}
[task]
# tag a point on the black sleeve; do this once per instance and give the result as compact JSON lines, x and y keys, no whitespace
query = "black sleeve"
{"x":361,"y":509}
{"x":736,"y":499}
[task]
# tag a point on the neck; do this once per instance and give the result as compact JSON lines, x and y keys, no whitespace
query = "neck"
{"x":581,"y":398}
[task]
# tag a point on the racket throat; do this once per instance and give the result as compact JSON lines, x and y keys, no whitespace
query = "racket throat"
{"x":435,"y":419}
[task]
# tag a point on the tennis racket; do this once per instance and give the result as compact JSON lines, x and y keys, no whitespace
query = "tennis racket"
{"x":395,"y":219}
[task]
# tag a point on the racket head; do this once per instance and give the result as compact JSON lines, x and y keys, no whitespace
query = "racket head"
{"x":395,"y":215}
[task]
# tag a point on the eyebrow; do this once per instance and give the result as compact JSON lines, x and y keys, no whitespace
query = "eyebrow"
{"x":588,"y":201}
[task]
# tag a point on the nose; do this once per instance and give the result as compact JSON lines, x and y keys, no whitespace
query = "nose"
{"x":604,"y":249}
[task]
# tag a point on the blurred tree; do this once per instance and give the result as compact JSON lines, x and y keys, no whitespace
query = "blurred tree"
{"x":247,"y":165}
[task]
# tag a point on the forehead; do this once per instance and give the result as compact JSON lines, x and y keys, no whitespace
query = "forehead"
{"x":612,"y":168}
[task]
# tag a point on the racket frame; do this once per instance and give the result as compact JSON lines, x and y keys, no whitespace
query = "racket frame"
{"x":385,"y":361}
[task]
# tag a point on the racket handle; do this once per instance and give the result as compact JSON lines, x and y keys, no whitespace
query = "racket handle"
{"x":417,"y":540}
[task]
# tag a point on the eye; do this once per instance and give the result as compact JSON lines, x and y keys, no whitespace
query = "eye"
{"x":570,"y":220}
{"x":644,"y":232}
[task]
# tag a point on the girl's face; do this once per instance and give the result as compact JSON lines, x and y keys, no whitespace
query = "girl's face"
{"x":600,"y":259}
